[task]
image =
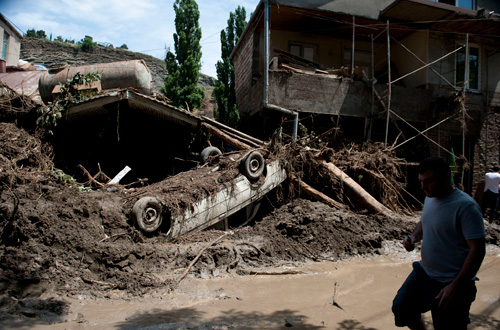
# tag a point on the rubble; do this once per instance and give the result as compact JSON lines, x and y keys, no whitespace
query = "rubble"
{"x":60,"y":237}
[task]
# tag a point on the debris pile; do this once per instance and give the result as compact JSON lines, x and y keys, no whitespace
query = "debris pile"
{"x":57,"y":235}
{"x":290,"y":62}
{"x":13,"y":105}
{"x":24,"y":159}
{"x":377,"y":169}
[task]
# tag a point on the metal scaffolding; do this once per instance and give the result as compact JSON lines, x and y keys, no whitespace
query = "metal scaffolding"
{"x":388,"y":106}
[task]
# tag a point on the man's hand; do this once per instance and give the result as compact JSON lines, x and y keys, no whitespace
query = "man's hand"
{"x":448,"y":296}
{"x":450,"y":293}
{"x":410,"y":240}
{"x":408,"y":243}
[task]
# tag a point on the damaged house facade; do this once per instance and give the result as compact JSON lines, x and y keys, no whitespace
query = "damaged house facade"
{"x":421,"y":77}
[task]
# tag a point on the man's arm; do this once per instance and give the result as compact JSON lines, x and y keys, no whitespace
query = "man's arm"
{"x":469,"y":269}
{"x":415,"y":237}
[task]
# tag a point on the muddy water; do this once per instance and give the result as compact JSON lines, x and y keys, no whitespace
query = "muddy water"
{"x":354,"y":294}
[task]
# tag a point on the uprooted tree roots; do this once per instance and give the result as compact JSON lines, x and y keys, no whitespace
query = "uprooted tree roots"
{"x":375,"y":168}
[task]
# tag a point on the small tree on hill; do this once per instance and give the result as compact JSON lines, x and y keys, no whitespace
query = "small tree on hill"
{"x":87,"y":44}
{"x":181,"y":84}
{"x":40,"y":34}
{"x":31,"y":33}
{"x":227,"y":111}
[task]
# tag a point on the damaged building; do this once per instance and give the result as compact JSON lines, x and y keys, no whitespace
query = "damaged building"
{"x":128,"y":124}
{"x":421,"y":77}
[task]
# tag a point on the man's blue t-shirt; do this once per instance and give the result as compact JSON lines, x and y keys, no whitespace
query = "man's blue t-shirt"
{"x":447,"y":223}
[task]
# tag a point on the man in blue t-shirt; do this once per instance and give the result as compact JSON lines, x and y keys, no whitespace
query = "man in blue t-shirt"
{"x":451,"y":229}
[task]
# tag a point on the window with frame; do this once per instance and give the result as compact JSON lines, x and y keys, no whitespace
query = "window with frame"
{"x":307,"y":51}
{"x":362,"y":59}
{"x":5,"y":43}
{"x":473,"y":76}
{"x":467,"y":4}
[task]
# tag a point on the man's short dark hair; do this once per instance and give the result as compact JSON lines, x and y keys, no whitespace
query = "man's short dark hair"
{"x":496,"y":168}
{"x":437,"y":165}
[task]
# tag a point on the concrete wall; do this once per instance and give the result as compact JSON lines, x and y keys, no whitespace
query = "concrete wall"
{"x":405,"y":62}
{"x":323,"y":94}
{"x":318,"y":94}
{"x":492,"y":63}
{"x":439,"y":46}
{"x":330,"y":51}
{"x":13,"y":45}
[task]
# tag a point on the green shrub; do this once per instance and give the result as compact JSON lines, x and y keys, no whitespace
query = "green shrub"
{"x":87,"y":44}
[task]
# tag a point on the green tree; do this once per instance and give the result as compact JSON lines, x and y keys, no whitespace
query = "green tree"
{"x":40,"y":34}
{"x":59,"y":39}
{"x":87,"y":44}
{"x":124,"y":46}
{"x":181,"y":84}
{"x":31,"y":33}
{"x":227,"y":110}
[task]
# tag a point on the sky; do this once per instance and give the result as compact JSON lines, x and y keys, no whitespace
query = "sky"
{"x":145,"y":26}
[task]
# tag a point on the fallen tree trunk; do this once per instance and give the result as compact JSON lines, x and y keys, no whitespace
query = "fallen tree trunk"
{"x":316,"y":194}
{"x":223,"y":136}
{"x":357,"y":192}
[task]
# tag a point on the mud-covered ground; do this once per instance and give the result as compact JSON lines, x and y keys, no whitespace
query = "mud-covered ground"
{"x":59,"y":241}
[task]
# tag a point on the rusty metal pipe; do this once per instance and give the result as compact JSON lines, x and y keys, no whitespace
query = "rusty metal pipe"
{"x":134,"y":73}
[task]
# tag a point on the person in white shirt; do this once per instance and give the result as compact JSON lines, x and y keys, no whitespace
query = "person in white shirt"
{"x":490,"y":195}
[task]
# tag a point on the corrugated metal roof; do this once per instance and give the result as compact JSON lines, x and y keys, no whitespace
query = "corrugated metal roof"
{"x":22,"y":82}
{"x":136,"y":101}
{"x":443,"y":17}
{"x":365,"y":8}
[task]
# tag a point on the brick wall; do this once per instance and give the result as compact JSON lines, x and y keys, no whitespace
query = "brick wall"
{"x":242,"y":61}
{"x":487,"y":151}
{"x":482,"y":136}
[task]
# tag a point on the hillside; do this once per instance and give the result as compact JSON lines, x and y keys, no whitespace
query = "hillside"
{"x":55,"y":54}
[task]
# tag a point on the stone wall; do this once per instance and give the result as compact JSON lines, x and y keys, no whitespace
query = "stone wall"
{"x":487,"y":151}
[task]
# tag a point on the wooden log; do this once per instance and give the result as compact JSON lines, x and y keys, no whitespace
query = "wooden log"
{"x":317,"y":194}
{"x":355,"y":191}
{"x":223,"y":136}
{"x":242,"y":136}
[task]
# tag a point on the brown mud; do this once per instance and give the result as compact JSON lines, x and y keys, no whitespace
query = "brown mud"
{"x":59,"y":241}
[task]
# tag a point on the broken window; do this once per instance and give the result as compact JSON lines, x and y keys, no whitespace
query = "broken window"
{"x":467,"y":4}
{"x":307,"y":51}
{"x":473,"y":76}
